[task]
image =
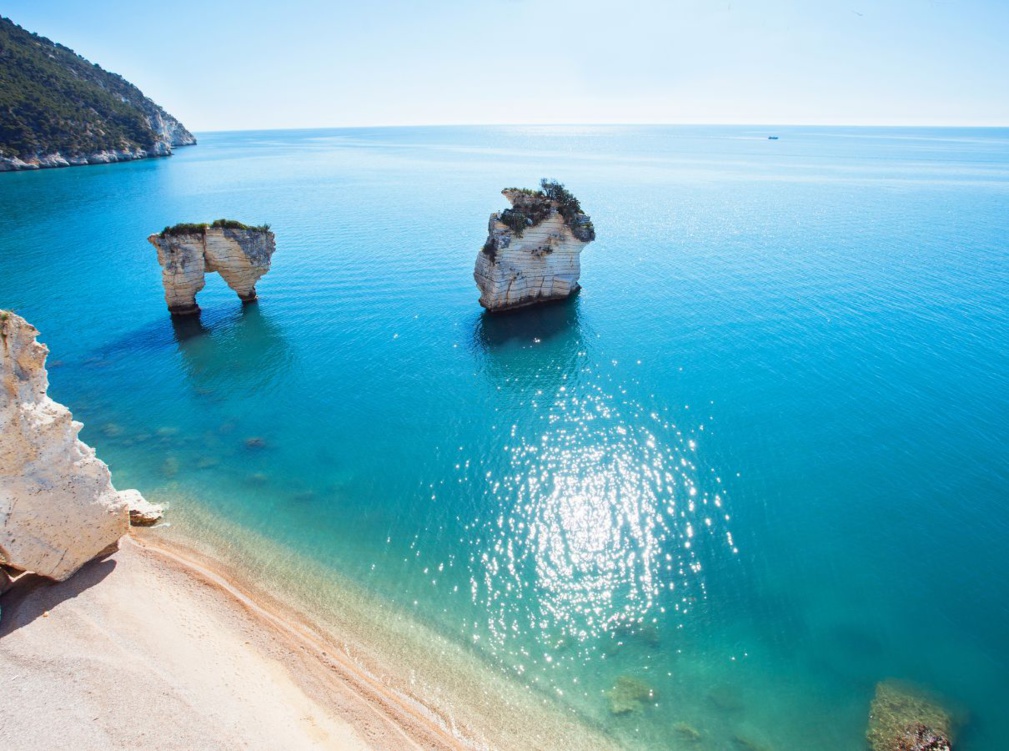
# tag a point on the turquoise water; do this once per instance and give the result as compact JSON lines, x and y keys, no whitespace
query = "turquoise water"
{"x":760,"y":463}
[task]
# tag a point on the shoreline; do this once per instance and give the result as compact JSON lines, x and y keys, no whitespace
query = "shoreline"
{"x":412,"y":667}
{"x":336,"y":669}
{"x":56,"y":160}
{"x":354,"y":694}
{"x":148,"y":648}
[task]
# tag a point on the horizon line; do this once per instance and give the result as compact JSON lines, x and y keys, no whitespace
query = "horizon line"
{"x":606,"y":124}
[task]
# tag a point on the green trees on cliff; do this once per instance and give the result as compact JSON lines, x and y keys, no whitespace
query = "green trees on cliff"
{"x":52,"y":99}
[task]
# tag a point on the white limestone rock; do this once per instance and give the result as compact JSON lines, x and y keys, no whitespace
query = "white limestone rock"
{"x":532,"y":253}
{"x":161,"y":147}
{"x":58,"y":508}
{"x":240,"y":254}
{"x":143,"y":513}
{"x":170,"y":132}
{"x":182,"y":270}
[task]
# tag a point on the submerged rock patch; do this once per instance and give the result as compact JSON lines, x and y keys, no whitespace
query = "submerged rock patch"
{"x":901,"y":718}
{"x":630,"y":694}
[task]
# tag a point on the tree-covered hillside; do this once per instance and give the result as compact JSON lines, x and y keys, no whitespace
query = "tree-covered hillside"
{"x":53,"y":100}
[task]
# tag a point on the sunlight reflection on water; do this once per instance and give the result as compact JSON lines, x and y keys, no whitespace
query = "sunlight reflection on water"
{"x":596,"y":523}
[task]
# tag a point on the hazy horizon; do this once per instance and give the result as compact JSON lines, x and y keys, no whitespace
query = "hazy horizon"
{"x":223,"y":65}
{"x":370,"y":126}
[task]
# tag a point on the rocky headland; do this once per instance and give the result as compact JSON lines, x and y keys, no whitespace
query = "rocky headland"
{"x":239,"y":253}
{"x":532,"y":253}
{"x":60,"y":110}
{"x":58,"y":507}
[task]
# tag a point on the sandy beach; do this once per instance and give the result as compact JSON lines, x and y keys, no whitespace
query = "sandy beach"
{"x":160,"y":646}
{"x":149,"y":649}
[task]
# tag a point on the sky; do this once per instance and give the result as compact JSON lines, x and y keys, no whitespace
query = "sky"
{"x":233,"y":65}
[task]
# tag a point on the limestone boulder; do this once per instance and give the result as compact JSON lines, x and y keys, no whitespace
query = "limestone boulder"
{"x":143,"y":513}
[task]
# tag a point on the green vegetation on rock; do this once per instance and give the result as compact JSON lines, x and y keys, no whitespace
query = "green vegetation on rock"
{"x":53,"y":100}
{"x":533,"y":206}
{"x":189,"y":228}
{"x":185,"y":228}
{"x":516,"y":220}
{"x":234,"y":224}
{"x":490,"y":248}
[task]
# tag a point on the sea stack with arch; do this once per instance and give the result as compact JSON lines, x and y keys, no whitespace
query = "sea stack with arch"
{"x":532,"y":252}
{"x":238,"y":252}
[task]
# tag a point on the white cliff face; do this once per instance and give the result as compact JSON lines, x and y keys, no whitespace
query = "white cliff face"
{"x":240,"y":256}
{"x":540,"y":265}
{"x":58,"y":508}
{"x":182,"y":270}
{"x":169,"y":131}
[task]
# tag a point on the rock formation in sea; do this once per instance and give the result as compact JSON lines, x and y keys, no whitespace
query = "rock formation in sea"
{"x":902,"y":719}
{"x":186,"y":252}
{"x":59,"y":110}
{"x":532,"y":252}
{"x":58,"y":507}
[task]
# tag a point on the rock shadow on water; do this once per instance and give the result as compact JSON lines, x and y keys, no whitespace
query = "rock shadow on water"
{"x":240,"y":351}
{"x":221,"y":346}
{"x":539,"y":347}
{"x":219,"y":353}
{"x":187,"y":328}
{"x":527,"y":326}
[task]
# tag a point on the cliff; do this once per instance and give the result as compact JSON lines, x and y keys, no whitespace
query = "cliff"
{"x":58,"y":508}
{"x":59,"y":110}
{"x":186,"y":252}
{"x":533,"y":249}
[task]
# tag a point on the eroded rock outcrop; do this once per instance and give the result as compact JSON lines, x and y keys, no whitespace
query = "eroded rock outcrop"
{"x":532,"y":252}
{"x":143,"y":513}
{"x":186,"y":252}
{"x":58,"y":508}
{"x":902,"y":719}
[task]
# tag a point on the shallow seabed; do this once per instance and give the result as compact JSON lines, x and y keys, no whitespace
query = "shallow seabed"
{"x":757,"y":466}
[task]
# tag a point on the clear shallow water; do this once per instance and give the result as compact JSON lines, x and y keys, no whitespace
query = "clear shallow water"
{"x":760,"y":463}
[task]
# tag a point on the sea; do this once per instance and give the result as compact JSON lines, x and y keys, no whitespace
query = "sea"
{"x":757,"y":466}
